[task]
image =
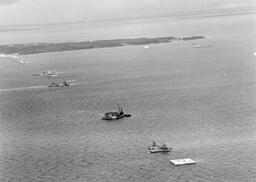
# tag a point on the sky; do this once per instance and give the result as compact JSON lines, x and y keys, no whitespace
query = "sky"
{"x":49,"y":11}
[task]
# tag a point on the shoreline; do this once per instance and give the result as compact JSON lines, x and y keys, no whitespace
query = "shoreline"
{"x":36,"y":48}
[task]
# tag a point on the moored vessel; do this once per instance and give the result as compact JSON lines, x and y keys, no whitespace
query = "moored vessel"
{"x":155,"y":148}
{"x":116,"y":115}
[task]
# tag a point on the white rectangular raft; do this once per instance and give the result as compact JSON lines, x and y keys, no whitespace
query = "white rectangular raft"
{"x":178,"y":162}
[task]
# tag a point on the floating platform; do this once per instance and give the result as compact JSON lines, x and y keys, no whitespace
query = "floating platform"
{"x":178,"y":162}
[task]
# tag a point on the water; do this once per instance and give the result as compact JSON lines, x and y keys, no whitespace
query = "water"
{"x":200,"y":101}
{"x":211,"y":26}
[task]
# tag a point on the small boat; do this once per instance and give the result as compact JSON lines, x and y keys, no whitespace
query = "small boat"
{"x":155,"y":148}
{"x":53,"y":84}
{"x":64,"y":84}
{"x":116,"y":115}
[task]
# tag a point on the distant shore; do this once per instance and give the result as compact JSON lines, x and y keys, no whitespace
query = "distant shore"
{"x":35,"y":48}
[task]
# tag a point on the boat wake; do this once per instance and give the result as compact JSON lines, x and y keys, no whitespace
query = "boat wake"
{"x":23,"y":88}
{"x":33,"y":87}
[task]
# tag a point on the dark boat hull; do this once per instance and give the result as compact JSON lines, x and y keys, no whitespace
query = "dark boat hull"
{"x":116,"y":117}
{"x":160,"y":150}
{"x":112,"y":118}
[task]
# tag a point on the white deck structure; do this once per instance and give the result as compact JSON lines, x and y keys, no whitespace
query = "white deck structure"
{"x":186,"y":161}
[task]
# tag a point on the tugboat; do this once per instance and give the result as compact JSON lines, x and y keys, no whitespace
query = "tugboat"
{"x":116,"y":115}
{"x":157,"y":148}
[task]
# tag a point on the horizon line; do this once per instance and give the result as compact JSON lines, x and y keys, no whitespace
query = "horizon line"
{"x":182,"y":14}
